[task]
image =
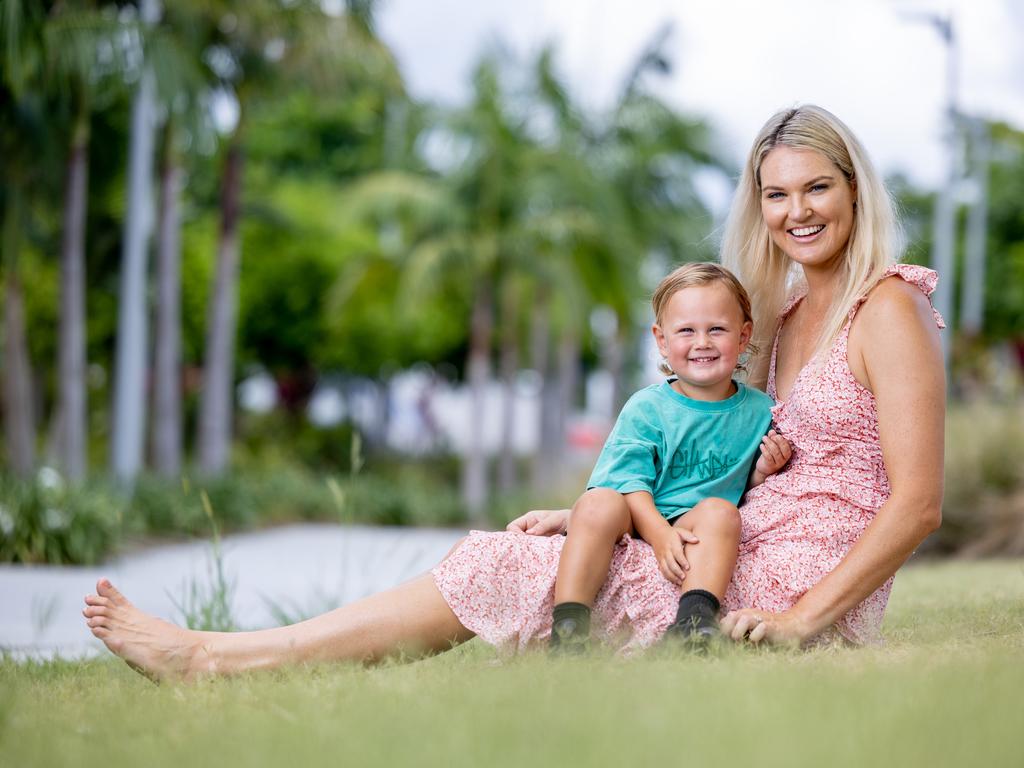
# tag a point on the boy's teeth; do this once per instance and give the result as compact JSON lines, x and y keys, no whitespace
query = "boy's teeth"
{"x":804,"y":231}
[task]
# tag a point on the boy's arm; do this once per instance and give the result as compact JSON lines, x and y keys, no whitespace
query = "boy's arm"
{"x":775,"y":452}
{"x":666,"y":540}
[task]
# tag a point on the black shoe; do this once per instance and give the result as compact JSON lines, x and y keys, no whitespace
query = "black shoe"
{"x":696,"y":633}
{"x":569,"y":637}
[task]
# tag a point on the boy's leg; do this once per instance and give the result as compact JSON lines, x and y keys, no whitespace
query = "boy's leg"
{"x":716,"y":522}
{"x":599,"y":519}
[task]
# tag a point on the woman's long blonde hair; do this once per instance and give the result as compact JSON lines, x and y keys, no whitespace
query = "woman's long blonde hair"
{"x":747,"y":247}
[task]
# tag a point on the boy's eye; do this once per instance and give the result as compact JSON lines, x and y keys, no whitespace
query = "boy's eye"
{"x":685,"y":330}
{"x":718,"y":328}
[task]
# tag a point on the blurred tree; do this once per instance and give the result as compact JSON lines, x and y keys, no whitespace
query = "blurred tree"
{"x":1003,"y":315}
{"x":174,"y":50}
{"x":71,"y":52}
{"x":1004,"y":274}
{"x":478,"y":242}
{"x":21,"y":128}
{"x":257,"y":45}
{"x":626,"y":181}
{"x":126,"y":443}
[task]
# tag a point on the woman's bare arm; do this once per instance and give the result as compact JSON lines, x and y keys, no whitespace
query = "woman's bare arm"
{"x":894,"y":351}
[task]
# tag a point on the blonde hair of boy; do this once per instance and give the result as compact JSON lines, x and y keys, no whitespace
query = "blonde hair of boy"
{"x":747,"y":247}
{"x":694,"y":274}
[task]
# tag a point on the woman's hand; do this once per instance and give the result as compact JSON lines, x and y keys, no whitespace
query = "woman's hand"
{"x":541,"y":522}
{"x":670,"y":552}
{"x":755,"y":626}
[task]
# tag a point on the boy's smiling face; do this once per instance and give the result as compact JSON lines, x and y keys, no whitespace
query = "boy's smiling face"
{"x":701,"y":335}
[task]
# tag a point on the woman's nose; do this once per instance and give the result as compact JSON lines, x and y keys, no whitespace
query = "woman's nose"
{"x":797,"y":208}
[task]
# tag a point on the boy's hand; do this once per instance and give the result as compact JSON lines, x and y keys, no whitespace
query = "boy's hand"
{"x":670,"y":552}
{"x":775,"y":452}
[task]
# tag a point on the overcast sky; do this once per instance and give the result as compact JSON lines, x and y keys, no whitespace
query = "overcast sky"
{"x":737,"y":61}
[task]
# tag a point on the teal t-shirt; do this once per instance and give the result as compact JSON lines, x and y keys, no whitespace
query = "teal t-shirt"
{"x":682,"y":451}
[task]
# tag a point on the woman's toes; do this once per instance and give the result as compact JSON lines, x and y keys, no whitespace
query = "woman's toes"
{"x":97,"y":621}
{"x":95,"y":610}
{"x":96,"y":600}
{"x":105,"y":589}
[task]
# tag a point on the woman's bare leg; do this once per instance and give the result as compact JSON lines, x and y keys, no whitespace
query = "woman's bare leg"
{"x":599,"y":519}
{"x":412,"y":618}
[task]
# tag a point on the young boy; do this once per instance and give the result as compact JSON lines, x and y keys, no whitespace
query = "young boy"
{"x":677,"y":462}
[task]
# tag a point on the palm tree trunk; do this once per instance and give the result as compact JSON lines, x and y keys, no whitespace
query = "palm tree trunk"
{"x":569,"y":375}
{"x":71,"y":345}
{"x":127,"y":438}
{"x":558,"y":399}
{"x":474,"y":467}
{"x":167,"y":425}
{"x":509,"y":365}
{"x":545,"y":461}
{"x":614,"y":361}
{"x":19,"y":427}
{"x":216,"y":404}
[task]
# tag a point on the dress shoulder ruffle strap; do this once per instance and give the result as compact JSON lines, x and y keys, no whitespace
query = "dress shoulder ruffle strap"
{"x":791,"y":302}
{"x":921,"y":277}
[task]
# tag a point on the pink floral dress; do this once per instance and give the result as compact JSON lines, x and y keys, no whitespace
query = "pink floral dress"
{"x":797,"y":526}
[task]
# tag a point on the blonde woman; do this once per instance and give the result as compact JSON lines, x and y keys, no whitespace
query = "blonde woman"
{"x":850,"y":353}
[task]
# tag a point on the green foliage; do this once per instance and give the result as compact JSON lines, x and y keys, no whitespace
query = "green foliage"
{"x":45,"y":521}
{"x":1004,"y":277}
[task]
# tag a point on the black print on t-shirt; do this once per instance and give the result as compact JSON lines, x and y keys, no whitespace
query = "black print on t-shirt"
{"x":690,"y":461}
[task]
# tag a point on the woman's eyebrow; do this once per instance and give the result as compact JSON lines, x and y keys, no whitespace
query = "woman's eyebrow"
{"x":815,"y":180}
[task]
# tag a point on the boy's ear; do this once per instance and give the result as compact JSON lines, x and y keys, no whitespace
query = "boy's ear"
{"x":745,"y":333}
{"x":659,"y":338}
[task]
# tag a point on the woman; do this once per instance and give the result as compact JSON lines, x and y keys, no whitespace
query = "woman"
{"x":856,"y":371}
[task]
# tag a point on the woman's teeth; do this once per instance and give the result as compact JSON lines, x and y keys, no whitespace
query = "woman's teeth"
{"x":805,"y":231}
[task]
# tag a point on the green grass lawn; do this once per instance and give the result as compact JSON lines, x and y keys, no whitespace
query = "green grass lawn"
{"x":948,"y":689}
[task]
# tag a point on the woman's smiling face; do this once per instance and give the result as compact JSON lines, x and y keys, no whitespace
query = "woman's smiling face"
{"x":807,"y":204}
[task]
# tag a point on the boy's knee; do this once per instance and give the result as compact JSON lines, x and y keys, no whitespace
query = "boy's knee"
{"x":600,"y":508}
{"x":715,"y":514}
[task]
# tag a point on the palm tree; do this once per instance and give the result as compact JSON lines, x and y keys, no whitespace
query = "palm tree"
{"x":256,"y":44}
{"x":130,"y":360}
{"x":85,"y":54}
{"x":22,"y":136}
{"x":174,"y":50}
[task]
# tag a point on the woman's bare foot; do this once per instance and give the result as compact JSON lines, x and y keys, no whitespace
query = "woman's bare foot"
{"x":156,"y":648}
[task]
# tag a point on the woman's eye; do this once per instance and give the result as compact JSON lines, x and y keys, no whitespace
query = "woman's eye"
{"x":819,"y":187}
{"x":773,"y":195}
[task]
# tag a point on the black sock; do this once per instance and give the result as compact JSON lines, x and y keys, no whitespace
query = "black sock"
{"x":697,"y":614}
{"x":570,"y":626}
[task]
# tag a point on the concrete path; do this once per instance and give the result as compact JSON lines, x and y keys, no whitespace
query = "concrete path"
{"x":300,"y":570}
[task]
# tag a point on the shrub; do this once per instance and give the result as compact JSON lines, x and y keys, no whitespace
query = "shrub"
{"x":44,"y":520}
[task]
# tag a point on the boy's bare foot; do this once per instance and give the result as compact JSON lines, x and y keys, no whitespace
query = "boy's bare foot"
{"x":156,"y":648}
